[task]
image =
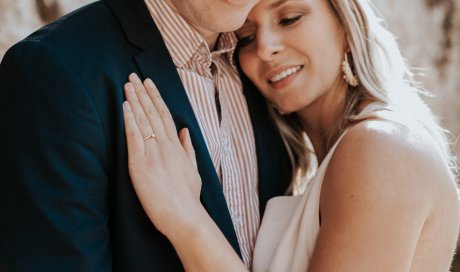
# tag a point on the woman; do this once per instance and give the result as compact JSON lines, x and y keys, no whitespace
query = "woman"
{"x":384,"y":196}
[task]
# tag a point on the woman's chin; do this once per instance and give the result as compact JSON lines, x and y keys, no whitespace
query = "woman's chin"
{"x":283,"y":110}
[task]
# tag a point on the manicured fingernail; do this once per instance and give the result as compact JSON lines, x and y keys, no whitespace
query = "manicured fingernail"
{"x":130,"y":87}
{"x":126,"y":106}
{"x":135,"y":78}
{"x":149,"y":83}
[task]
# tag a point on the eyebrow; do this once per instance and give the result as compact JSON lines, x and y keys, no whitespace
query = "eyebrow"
{"x":277,"y":4}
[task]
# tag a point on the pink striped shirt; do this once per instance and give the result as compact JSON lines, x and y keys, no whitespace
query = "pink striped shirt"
{"x":231,"y":142}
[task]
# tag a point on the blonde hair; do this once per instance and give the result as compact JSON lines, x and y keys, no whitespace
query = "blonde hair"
{"x":384,"y":77}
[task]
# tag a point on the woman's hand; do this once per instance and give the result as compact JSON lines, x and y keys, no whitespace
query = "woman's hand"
{"x":164,"y":174}
{"x":162,"y":164}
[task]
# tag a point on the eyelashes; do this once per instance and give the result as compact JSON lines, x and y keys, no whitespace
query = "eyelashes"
{"x":245,"y":40}
{"x":290,"y":20}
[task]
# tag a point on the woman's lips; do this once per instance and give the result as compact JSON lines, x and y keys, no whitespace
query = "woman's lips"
{"x":282,"y":77}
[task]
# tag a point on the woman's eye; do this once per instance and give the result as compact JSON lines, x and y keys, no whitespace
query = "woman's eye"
{"x":245,"y":41}
{"x":290,"y":20}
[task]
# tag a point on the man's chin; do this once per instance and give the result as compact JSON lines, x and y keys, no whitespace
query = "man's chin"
{"x":240,"y":3}
{"x":232,"y":26}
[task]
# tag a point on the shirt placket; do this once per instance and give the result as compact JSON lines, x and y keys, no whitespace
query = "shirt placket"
{"x":230,"y":179}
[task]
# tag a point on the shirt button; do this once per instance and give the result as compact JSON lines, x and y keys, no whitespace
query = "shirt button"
{"x":236,"y":220}
{"x":203,"y":50}
{"x":226,"y":147}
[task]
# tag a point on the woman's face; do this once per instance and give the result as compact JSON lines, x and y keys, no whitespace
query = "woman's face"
{"x":292,"y":51}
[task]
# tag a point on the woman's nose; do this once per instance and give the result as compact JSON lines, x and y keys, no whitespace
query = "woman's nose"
{"x":269,"y":44}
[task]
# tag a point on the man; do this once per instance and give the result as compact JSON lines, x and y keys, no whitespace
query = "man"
{"x":66,"y":200}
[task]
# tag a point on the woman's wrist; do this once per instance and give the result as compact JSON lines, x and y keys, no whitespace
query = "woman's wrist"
{"x":187,"y":221}
{"x":200,"y":244}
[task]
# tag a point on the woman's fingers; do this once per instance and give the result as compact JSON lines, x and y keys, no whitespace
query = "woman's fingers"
{"x":162,"y":109}
{"x":149,"y":109}
{"x":142,"y":123}
{"x":133,"y":135}
{"x":186,"y":142}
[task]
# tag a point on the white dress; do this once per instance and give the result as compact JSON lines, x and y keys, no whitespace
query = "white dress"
{"x":291,"y":224}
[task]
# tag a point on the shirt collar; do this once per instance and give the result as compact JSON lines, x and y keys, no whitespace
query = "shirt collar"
{"x":226,"y":44}
{"x":182,"y":40}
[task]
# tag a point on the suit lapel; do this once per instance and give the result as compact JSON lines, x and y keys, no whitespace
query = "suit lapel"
{"x":154,"y":62}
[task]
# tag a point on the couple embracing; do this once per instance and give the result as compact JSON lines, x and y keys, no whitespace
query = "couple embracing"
{"x":192,"y":163}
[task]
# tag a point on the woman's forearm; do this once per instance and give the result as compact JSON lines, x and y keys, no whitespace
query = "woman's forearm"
{"x":201,"y":246}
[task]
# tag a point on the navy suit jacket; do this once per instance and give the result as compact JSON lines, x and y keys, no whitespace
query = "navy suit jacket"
{"x":66,"y":200}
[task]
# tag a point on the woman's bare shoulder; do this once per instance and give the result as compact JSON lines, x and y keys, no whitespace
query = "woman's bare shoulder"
{"x":386,"y":161}
{"x":387,"y":199}
{"x":382,"y":185}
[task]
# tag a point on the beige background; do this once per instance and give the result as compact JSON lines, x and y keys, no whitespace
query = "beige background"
{"x":428,"y":32}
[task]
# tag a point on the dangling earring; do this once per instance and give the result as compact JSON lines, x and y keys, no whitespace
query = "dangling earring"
{"x":348,"y":75}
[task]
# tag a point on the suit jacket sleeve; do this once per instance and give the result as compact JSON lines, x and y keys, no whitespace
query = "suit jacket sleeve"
{"x":53,"y":166}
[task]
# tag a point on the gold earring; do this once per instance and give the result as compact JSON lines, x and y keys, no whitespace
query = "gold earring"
{"x":348,"y":75}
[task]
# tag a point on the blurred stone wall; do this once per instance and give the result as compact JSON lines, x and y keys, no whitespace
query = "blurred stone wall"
{"x":18,"y":18}
{"x":429,"y":36}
